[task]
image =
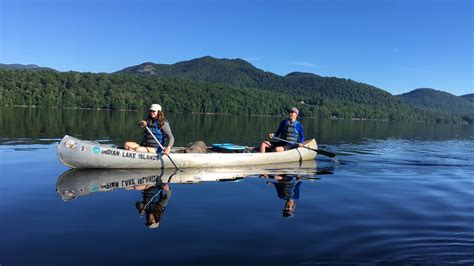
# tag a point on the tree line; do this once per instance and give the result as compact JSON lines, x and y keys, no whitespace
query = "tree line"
{"x":130,"y":92}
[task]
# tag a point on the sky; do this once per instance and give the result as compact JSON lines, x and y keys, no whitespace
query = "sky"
{"x":395,"y":45}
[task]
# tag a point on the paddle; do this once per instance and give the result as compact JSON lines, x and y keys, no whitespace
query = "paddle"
{"x":323,"y":172}
{"x":322,"y":152}
{"x":161,"y":146}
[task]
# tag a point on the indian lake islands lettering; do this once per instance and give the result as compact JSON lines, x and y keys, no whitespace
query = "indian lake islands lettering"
{"x":129,"y":182}
{"x":131,"y":155}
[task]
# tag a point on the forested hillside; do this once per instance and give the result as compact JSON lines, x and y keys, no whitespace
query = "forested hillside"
{"x":334,"y":97}
{"x":114,"y":91}
{"x":105,"y":91}
{"x":232,"y":72}
{"x":438,"y":101}
{"x":469,"y":97}
{"x":310,"y":88}
{"x":30,"y":67}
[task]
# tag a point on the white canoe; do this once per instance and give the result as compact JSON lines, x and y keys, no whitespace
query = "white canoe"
{"x":81,"y":182}
{"x":83,"y":154}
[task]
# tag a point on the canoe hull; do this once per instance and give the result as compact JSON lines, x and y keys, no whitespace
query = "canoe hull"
{"x":83,"y":154}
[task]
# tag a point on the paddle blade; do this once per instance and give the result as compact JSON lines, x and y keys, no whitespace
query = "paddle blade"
{"x":326,"y":153}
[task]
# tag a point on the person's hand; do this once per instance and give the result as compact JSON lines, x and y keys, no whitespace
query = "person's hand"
{"x":166,"y":188}
{"x":167,"y":150}
{"x":271,"y":135}
{"x":142,"y":124}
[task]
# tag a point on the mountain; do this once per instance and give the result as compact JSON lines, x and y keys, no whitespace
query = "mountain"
{"x":309,"y":88}
{"x":211,"y":85}
{"x":435,"y":100}
{"x":24,"y":67}
{"x":234,"y":72}
{"x":469,"y":97}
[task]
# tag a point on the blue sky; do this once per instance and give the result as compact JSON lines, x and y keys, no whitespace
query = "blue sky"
{"x":396,"y":45}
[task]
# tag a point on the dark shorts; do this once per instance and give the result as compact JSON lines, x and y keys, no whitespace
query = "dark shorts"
{"x":285,"y":145}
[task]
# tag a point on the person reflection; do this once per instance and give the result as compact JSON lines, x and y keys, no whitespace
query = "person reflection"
{"x":153,"y":205}
{"x":288,"y":189}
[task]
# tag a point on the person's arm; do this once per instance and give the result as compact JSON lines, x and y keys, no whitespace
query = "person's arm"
{"x":301,"y":131}
{"x":279,"y":129}
{"x":296,"y":190}
{"x":167,"y":131}
{"x":164,"y":200}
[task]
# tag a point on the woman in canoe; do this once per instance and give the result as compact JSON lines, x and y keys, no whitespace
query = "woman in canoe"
{"x":160,"y":127}
{"x":290,"y":130}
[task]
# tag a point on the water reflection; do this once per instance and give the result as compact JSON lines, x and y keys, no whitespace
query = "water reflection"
{"x":40,"y":125}
{"x":155,"y":185}
{"x":288,"y":189}
{"x":154,"y":202}
{"x":81,"y":182}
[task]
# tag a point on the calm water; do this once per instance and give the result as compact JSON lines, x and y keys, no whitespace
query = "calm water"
{"x":402,"y":193}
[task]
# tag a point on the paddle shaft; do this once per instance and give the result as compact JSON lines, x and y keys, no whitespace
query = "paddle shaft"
{"x":322,"y":152}
{"x":161,"y":146}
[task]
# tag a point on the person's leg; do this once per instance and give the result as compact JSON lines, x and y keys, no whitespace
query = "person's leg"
{"x":141,"y":149}
{"x":151,"y":150}
{"x":264,"y":145}
{"x":280,"y":146}
{"x":131,"y":145}
{"x":279,"y":149}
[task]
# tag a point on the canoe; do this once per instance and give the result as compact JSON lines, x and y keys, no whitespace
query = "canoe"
{"x":76,"y":153}
{"x":76,"y":183}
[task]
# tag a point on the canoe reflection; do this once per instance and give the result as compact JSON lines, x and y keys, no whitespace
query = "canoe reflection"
{"x":81,"y":182}
{"x":155,"y":184}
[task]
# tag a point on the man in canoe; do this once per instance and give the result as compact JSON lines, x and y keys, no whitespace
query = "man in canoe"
{"x":160,"y":128}
{"x":290,"y":130}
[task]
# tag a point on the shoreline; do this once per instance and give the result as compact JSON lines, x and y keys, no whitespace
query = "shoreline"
{"x":226,"y":114}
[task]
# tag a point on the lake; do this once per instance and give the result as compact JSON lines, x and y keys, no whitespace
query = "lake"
{"x":401,"y":193}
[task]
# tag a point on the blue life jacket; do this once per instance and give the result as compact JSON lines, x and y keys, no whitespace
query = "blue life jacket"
{"x":151,"y":196}
{"x":289,"y":131}
{"x":148,"y":140}
{"x":288,"y":189}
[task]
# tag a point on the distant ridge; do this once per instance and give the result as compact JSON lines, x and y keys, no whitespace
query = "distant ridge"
{"x":225,"y":86}
{"x":469,"y":97}
{"x":239,"y":73}
{"x":437,"y":101}
{"x":233,"y":72}
{"x":24,"y":67}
